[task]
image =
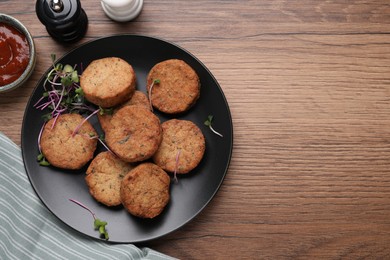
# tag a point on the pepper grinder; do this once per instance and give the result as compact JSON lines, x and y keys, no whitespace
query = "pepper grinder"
{"x":122,"y":10}
{"x":64,"y":20}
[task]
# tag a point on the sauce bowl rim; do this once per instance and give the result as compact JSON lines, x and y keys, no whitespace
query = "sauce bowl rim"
{"x":10,"y":20}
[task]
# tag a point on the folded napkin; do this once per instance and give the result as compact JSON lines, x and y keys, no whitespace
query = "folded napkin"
{"x":28,"y":230}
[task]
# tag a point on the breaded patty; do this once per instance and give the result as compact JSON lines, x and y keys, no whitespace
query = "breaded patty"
{"x":62,"y":149}
{"x":145,"y":190}
{"x":178,"y":88}
{"x":138,"y":99}
{"x":135,"y":133}
{"x":104,"y":177}
{"x":182,"y":146}
{"x":108,"y":82}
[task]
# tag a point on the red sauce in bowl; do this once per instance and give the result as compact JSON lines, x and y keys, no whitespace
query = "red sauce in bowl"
{"x":14,"y":54}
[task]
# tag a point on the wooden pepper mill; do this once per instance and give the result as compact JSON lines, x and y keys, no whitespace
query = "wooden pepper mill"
{"x":64,"y":20}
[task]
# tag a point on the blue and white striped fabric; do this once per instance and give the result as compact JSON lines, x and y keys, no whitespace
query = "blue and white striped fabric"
{"x":29,"y":231}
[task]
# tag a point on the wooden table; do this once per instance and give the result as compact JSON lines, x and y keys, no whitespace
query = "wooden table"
{"x":308,"y":85}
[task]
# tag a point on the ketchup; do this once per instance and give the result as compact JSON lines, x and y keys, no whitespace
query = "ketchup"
{"x":14,"y":53}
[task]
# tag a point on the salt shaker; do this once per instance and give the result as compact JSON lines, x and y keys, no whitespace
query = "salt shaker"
{"x":64,"y":20}
{"x":122,"y":10}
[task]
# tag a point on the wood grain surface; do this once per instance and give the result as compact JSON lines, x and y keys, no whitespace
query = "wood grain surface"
{"x":308,"y":85}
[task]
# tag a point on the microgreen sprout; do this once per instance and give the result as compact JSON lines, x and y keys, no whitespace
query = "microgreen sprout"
{"x":156,"y":81}
{"x":42,"y":160}
{"x":76,"y":130}
{"x":100,"y":110}
{"x":208,"y":123}
{"x":176,"y":166}
{"x":98,"y":224}
{"x":39,"y":137}
{"x":101,"y":140}
{"x":106,"y":111}
{"x":62,"y":93}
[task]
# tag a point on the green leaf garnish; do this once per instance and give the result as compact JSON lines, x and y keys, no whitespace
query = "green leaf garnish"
{"x":47,"y":117}
{"x":79,"y":91}
{"x":97,"y":223}
{"x":66,"y":81}
{"x":101,"y":226}
{"x":208,"y":123}
{"x":59,"y":67}
{"x":42,"y":160}
{"x":67,"y":68}
{"x":75,"y":76}
{"x":209,"y":120}
{"x":105,"y":111}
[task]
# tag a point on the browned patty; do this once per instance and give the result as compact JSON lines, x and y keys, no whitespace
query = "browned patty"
{"x":104,"y":177}
{"x":138,"y":99}
{"x":182,"y":146}
{"x":145,"y":190}
{"x":135,"y":133}
{"x":62,"y":149}
{"x":178,"y":88}
{"x":108,"y":82}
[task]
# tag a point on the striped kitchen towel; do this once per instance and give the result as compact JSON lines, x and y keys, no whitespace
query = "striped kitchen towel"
{"x":28,"y":230}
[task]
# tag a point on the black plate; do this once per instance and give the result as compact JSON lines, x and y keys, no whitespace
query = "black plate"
{"x":188,"y":197}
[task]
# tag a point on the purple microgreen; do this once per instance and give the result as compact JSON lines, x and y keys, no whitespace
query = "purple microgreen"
{"x":101,"y":140}
{"x":208,"y":123}
{"x":97,"y":223}
{"x":75,"y":131}
{"x":83,"y":206}
{"x":176,"y":166}
{"x":43,"y":106}
{"x":39,"y":100}
{"x":55,"y":120}
{"x":41,"y":158}
{"x":60,"y":97}
{"x":53,"y":83}
{"x":40,"y":136}
{"x":156,"y":81}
